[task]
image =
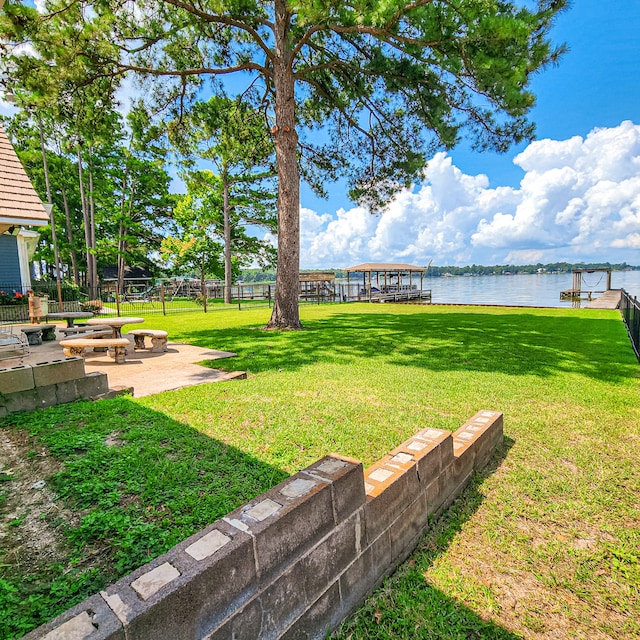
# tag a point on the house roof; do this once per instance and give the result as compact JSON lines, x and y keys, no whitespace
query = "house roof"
{"x":384,"y":266}
{"x":19,"y":202}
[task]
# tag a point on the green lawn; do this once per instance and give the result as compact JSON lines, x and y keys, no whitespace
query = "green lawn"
{"x":545,"y":542}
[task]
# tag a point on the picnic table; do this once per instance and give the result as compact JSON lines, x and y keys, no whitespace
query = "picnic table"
{"x":116,"y":324}
{"x":70,"y":316}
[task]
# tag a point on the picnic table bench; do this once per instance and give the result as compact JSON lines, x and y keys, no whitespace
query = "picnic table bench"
{"x":158,"y":339}
{"x":76,"y":346}
{"x":84,"y":329}
{"x":36,"y":333}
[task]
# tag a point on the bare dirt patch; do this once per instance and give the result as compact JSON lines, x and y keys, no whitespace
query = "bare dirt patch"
{"x":31,"y":521}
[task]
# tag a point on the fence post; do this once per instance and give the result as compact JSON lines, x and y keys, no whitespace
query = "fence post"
{"x":239,"y":301}
{"x":164,"y":308}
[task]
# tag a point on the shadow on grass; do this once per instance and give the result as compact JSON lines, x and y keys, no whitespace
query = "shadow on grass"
{"x":131,"y":484}
{"x":407,"y":605}
{"x":511,"y":343}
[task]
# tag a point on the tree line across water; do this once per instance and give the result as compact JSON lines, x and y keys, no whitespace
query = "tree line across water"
{"x":262,"y":275}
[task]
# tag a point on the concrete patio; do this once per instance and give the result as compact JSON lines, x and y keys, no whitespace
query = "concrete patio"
{"x":146,"y":372}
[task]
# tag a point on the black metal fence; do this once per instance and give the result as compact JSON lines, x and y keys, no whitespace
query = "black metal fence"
{"x":148,"y":297}
{"x":630,"y":310}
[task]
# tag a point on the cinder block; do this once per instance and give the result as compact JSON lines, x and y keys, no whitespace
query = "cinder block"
{"x":21,"y":401}
{"x":347,"y":478}
{"x":431,"y":450}
{"x":92,"y":385}
{"x":13,"y":379}
{"x":66,"y":391}
{"x":365,"y":573}
{"x":3,"y":409}
{"x":282,"y":602}
{"x":323,"y":564}
{"x":480,"y":434}
{"x":190,"y":596}
{"x":391,"y":485}
{"x":46,"y":373}
{"x":407,"y":528}
{"x":286,"y":522}
{"x":89,"y":620}
{"x":46,"y":396}
{"x":245,"y":623}
{"x":453,"y":480}
{"x":322,"y":617}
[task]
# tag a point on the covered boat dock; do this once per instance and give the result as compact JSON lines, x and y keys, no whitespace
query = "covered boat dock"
{"x":388,"y":282}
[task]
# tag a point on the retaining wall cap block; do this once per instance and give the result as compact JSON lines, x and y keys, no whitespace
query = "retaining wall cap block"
{"x":189,"y":591}
{"x":262,"y":510}
{"x":207,"y":545}
{"x":390,"y":486}
{"x":428,"y":453}
{"x":387,"y":472}
{"x":14,"y":379}
{"x":150,"y":583}
{"x":89,"y":620}
{"x":478,"y":435}
{"x":285,"y":526}
{"x":347,"y":478}
{"x":51,"y":372}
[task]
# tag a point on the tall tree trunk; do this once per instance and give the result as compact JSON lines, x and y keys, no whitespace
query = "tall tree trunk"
{"x":72,"y":249}
{"x":285,"y":313}
{"x":54,"y":238}
{"x":93,"y":290}
{"x":85,"y":219}
{"x":122,"y":230}
{"x":203,"y":282}
{"x":227,"y":237}
{"x":122,"y":259}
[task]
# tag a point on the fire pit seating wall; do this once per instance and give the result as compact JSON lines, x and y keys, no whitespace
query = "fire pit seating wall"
{"x":297,"y":560}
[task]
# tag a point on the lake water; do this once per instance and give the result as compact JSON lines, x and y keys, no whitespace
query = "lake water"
{"x":531,"y":290}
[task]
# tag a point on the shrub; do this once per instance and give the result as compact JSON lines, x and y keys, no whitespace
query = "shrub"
{"x":94,"y":306}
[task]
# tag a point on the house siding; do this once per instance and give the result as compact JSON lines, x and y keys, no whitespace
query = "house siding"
{"x":9,"y":263}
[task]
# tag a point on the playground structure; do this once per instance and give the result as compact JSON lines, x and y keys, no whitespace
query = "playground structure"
{"x":141,"y":290}
{"x":318,"y":286}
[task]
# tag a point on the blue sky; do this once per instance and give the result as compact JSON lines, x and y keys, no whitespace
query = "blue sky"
{"x":596,"y":85}
{"x":573,"y":195}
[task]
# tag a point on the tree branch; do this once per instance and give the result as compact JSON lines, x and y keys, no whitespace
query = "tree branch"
{"x":231,"y":22}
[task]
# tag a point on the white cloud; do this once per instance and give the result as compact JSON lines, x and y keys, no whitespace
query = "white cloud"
{"x":578,"y":200}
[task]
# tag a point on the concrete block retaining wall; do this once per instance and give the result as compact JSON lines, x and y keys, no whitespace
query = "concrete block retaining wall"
{"x":297,"y":560}
{"x":44,"y":384}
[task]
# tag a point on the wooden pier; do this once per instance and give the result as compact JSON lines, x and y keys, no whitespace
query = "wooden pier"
{"x":608,"y":300}
{"x":581,"y":289}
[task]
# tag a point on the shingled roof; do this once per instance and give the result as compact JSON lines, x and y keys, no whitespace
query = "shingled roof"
{"x":19,"y":202}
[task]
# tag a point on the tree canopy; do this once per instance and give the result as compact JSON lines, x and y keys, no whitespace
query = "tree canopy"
{"x":387,"y":82}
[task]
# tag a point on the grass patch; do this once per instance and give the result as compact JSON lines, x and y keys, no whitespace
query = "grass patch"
{"x":545,"y":541}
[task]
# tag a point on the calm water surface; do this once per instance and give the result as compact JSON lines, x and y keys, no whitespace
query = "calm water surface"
{"x":523,"y":290}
